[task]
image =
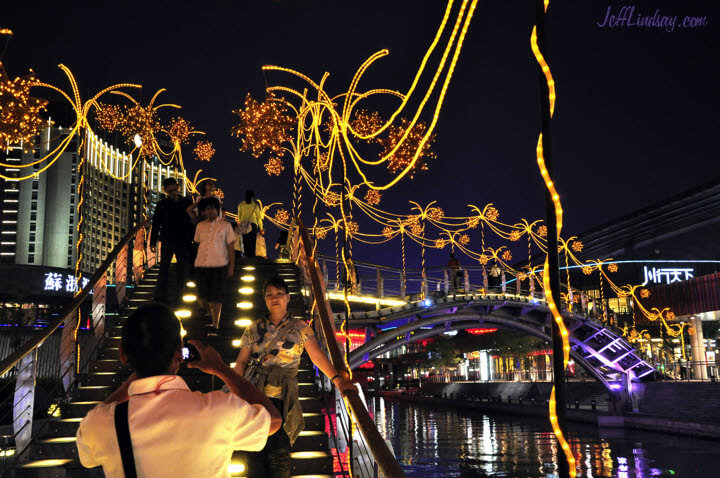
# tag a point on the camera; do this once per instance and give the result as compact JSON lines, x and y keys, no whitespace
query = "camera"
{"x":189,"y":352}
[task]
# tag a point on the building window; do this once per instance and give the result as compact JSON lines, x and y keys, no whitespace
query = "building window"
{"x":31,"y":248}
{"x":33,"y":216}
{"x":33,"y":227}
{"x":32,"y":237}
{"x":35,"y":195}
{"x":31,"y":257}
{"x":35,"y":184}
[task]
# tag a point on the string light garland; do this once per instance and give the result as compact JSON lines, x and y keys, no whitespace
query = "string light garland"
{"x":274,"y":166}
{"x":401,"y":148}
{"x":282,"y":216}
{"x":264,"y":126}
{"x":373,"y":197}
{"x":204,"y":151}
{"x":180,"y":131}
{"x":108,"y":117}
{"x":141,"y":121}
{"x":19,"y":112}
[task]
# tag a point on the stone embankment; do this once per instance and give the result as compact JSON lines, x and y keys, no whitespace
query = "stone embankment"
{"x":689,"y":408}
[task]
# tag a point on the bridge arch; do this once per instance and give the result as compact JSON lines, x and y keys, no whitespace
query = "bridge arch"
{"x":598,"y":349}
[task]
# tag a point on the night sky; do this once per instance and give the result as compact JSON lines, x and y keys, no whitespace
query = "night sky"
{"x":635,"y":122}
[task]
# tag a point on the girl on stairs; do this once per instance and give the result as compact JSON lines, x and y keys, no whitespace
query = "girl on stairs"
{"x":270,"y":351}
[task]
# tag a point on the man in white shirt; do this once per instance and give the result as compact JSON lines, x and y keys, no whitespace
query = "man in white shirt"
{"x":173,"y":431}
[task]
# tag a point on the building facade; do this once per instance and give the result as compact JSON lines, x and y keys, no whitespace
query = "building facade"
{"x":40,"y":219}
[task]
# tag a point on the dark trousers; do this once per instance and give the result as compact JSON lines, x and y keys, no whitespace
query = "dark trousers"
{"x":457,"y":278}
{"x":183,"y":255}
{"x":249,"y":241}
{"x":273,"y":461}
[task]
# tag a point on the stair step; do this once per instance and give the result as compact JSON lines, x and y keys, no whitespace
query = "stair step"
{"x":111,"y":379}
{"x":314,"y":421}
{"x":109,"y":353}
{"x":62,"y":427}
{"x":52,"y":448}
{"x":310,"y":404}
{"x":311,"y":440}
{"x":311,"y":462}
{"x":80,"y":408}
{"x":108,"y":365}
{"x":92,"y":393}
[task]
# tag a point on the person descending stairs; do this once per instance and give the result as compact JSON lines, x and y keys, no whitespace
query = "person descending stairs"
{"x":53,"y":451}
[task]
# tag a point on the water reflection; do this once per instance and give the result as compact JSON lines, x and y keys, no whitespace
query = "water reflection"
{"x":436,"y":442}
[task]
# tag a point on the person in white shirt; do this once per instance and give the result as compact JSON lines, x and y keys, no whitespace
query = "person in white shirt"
{"x":215,"y":260}
{"x":174,"y":431}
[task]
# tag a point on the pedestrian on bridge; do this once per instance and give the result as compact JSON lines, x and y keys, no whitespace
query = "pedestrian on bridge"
{"x":455,"y":272}
{"x":172,"y":226}
{"x":161,"y":427}
{"x":270,"y":351}
{"x":250,"y":222}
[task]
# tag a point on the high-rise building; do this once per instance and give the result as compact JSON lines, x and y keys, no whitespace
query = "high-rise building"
{"x":40,"y":214}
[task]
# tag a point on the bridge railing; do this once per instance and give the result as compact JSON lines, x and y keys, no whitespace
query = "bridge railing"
{"x":371,"y":445}
{"x":73,"y":351}
{"x":382,"y":281}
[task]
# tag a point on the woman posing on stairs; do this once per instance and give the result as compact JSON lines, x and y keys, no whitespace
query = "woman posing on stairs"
{"x":270,"y":351}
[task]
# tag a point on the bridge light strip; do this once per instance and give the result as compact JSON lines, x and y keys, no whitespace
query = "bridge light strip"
{"x":364,"y":299}
{"x":546,"y":276}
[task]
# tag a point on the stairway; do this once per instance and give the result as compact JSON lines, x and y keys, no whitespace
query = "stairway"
{"x":54,"y":453}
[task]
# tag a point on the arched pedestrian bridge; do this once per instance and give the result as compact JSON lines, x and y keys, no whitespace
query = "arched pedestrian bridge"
{"x":602,"y":352}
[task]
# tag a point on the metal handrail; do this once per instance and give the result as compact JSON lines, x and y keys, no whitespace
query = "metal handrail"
{"x":15,"y":357}
{"x":387,"y":463}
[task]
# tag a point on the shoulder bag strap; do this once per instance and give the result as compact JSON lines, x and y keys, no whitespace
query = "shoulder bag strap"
{"x":122,"y":428}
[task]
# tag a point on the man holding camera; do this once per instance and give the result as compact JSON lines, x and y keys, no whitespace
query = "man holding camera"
{"x":153,"y":425}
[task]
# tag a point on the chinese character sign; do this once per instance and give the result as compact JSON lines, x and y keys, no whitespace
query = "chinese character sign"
{"x":55,"y":282}
{"x":666,"y":275}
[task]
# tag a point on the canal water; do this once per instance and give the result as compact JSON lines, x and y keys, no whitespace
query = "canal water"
{"x":447,"y":442}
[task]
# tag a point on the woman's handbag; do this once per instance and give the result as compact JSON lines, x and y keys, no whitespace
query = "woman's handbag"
{"x":252,"y":369}
{"x":260,"y":246}
{"x":244,"y":227}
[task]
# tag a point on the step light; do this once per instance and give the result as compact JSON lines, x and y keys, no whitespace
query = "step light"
{"x":246,"y":290}
{"x":248,"y":268}
{"x":247,"y":278}
{"x":243,"y":322}
{"x":236,"y":469}
{"x":46,"y":463}
{"x":60,"y":440}
{"x":236,"y":343}
{"x":191,"y":284}
{"x":189,"y":298}
{"x":183,"y":313}
{"x":244,"y":305}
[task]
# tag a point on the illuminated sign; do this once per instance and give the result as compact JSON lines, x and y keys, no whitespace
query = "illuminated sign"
{"x":666,"y":275}
{"x":57,"y":282}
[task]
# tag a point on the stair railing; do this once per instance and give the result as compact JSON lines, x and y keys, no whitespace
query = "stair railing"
{"x":302,"y":253}
{"x":24,"y":360}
